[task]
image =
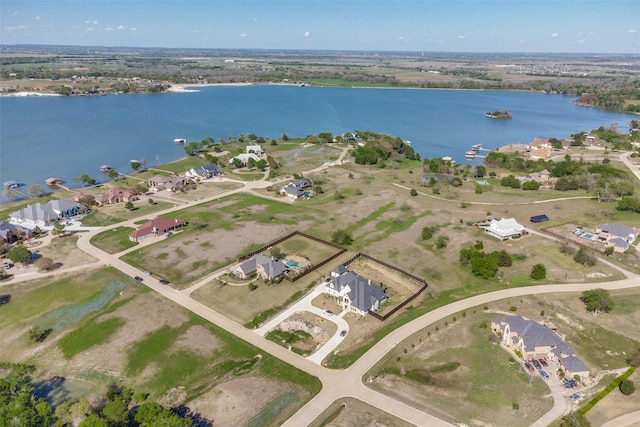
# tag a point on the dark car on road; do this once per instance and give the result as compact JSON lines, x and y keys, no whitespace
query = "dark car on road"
{"x":536,"y":364}
{"x":528,"y":366}
{"x":343,"y":333}
{"x":543,"y":362}
{"x":138,"y":278}
{"x":164,"y":282}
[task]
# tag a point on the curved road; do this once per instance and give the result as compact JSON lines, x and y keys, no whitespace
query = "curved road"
{"x":348,"y":382}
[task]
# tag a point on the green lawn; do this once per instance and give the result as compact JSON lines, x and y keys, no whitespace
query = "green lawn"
{"x":89,"y":335}
{"x":114,"y":240}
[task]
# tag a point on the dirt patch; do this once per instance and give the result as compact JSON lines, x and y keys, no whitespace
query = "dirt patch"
{"x":615,"y":404}
{"x":355,"y":413}
{"x":234,"y":403}
{"x":320,"y":329}
{"x":197,"y":339}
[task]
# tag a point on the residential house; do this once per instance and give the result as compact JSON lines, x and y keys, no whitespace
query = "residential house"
{"x":264,"y":266}
{"x":10,"y":233}
{"x":203,"y":172}
{"x":504,"y":228}
{"x":618,"y":236}
{"x":354,"y":292}
{"x":539,"y":148}
{"x":171,"y":183}
{"x":535,"y":341}
{"x":255,"y":149}
{"x":40,"y":214}
{"x":244,"y":158}
{"x":117,"y":195}
{"x":543,"y":177}
{"x":296,"y":189}
{"x":156,"y":227}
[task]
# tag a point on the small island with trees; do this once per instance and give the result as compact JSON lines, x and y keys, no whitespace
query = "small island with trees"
{"x":504,"y":114}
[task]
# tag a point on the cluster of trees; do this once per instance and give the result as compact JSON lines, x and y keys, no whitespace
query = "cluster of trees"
{"x":120,"y":406}
{"x":484,"y":265}
{"x":380,"y":148}
{"x":597,"y":300}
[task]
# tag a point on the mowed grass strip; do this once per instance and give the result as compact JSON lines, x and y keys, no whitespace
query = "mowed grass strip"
{"x":114,"y":240}
{"x":88,"y":335}
{"x":150,"y":348}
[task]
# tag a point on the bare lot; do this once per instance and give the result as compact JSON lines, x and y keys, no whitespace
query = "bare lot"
{"x":349,"y":412}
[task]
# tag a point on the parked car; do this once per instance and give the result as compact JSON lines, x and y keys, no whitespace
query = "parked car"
{"x":536,"y":364}
{"x":328,"y":312}
{"x":148,"y":273}
{"x":168,"y":234}
{"x":543,"y":362}
{"x":544,"y":375}
{"x":7,"y":264}
{"x":164,"y":282}
{"x":343,"y":333}
{"x":138,"y":278}
{"x":574,"y":397}
{"x":528,"y":366}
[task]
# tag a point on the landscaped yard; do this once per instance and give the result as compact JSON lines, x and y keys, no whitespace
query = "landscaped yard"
{"x":114,"y":240}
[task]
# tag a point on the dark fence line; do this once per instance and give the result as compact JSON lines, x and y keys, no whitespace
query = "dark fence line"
{"x":265,"y":247}
{"x":315,"y":267}
{"x":393,"y":267}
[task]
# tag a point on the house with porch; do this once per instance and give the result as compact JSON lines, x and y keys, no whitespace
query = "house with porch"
{"x":10,"y":233}
{"x":156,"y":227}
{"x":536,"y":341}
{"x":504,"y":228}
{"x":266,"y":267}
{"x":354,"y":292}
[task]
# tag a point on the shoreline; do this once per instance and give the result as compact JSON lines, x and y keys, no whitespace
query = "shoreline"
{"x":22,"y":94}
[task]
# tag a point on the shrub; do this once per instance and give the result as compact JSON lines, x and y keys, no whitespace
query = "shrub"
{"x":513,"y":308}
{"x":515,"y":405}
{"x":627,"y":387}
{"x":539,"y":272}
{"x":584,"y":257}
{"x":413,"y":192}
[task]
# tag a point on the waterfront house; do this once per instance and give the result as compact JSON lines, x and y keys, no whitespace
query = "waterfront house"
{"x":40,"y":214}
{"x":117,"y":195}
{"x":156,"y":227}
{"x":203,"y":172}
{"x":354,"y":292}
{"x":536,"y":341}
{"x":255,"y":149}
{"x":504,"y":228}
{"x":244,"y":158}
{"x":264,"y":266}
{"x":539,"y":148}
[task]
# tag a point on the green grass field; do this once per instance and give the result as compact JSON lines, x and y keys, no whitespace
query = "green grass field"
{"x":114,"y":240}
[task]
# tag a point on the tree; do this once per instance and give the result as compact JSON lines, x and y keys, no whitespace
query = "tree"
{"x":575,"y":419}
{"x":538,"y":272}
{"x":36,"y":190}
{"x":428,"y":232}
{"x":441,"y":242}
{"x":58,"y":229}
{"x":112,"y":174}
{"x":629,"y":204}
{"x":19,"y":253}
{"x":84,"y":179}
{"x":627,"y":387}
{"x":341,"y":237}
{"x":237,"y":163}
{"x":597,"y":300}
{"x":43,"y":263}
{"x":413,"y":192}
{"x":584,"y":257}
{"x":135,"y":165}
{"x":530,"y":185}
{"x":510,"y":181}
{"x":129,"y":206}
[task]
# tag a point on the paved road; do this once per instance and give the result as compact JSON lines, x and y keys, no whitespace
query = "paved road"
{"x":347,"y":382}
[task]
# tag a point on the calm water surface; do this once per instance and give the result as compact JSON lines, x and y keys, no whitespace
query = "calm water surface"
{"x":64,"y":137}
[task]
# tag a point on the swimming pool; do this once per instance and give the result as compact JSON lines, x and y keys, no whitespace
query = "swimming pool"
{"x":292,"y":264}
{"x":587,"y":235}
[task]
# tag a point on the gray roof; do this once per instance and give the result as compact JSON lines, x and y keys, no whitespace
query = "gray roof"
{"x":293,"y":190}
{"x":534,"y":334}
{"x":339,"y":269}
{"x":34,"y":213}
{"x":618,"y":230}
{"x":362,"y":294}
{"x":301,"y":183}
{"x":273,"y":268}
{"x":573,"y":364}
{"x":619,"y":242}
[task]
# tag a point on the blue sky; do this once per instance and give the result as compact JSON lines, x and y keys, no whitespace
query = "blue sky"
{"x":581,"y":26}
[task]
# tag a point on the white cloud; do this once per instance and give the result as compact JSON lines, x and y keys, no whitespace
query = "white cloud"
{"x":37,"y":18}
{"x":460,"y":37}
{"x":109,"y":29}
{"x":243,"y":35}
{"x":133,"y":29}
{"x":89,"y":29}
{"x":307,"y":33}
{"x":254,"y":20}
{"x":582,"y":41}
{"x":554,"y":35}
{"x":19,"y":27}
{"x":94,"y":22}
{"x":633,"y":31}
{"x":121,"y":27}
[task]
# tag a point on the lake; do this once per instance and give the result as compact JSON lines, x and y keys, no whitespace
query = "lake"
{"x":64,"y":137}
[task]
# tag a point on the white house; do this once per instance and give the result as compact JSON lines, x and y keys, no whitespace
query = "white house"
{"x":45,"y":214}
{"x":296,"y":189}
{"x":255,"y":149}
{"x":244,"y":158}
{"x":618,"y":236}
{"x":504,"y":229}
{"x":203,"y":172}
